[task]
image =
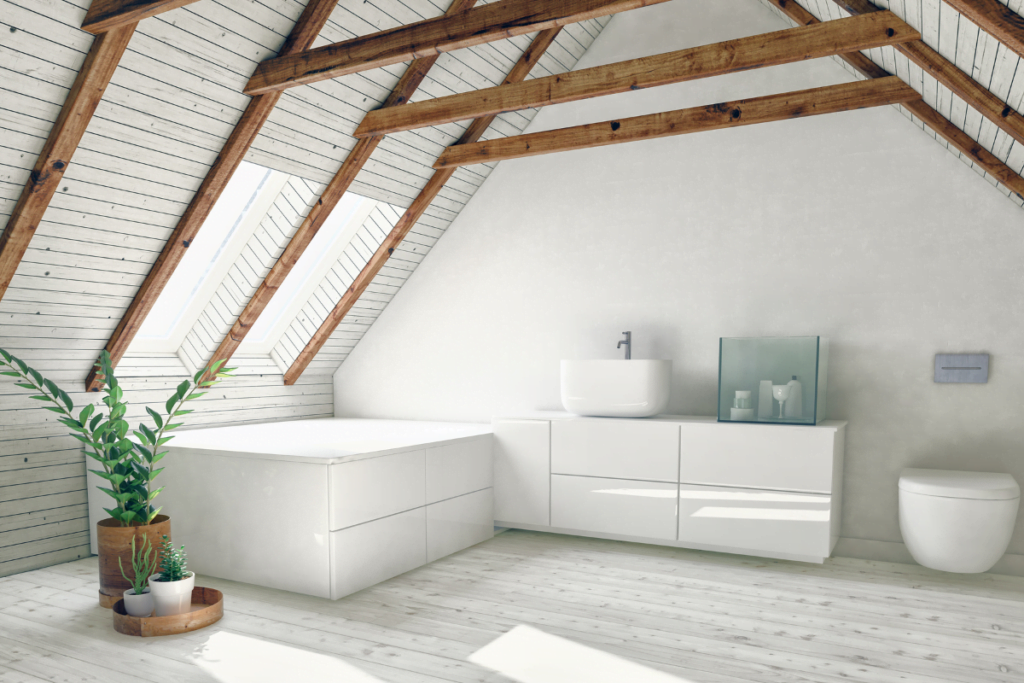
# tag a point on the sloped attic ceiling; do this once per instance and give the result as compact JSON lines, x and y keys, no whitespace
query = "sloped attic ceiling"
{"x":973,"y":51}
{"x":171,"y":105}
{"x":177,"y":95}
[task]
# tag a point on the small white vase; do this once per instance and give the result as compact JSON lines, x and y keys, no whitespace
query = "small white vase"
{"x":172,"y":597}
{"x":138,"y":605}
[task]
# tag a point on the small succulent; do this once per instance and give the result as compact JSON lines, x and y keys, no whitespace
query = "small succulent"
{"x":172,"y":562}
{"x":143,"y":565}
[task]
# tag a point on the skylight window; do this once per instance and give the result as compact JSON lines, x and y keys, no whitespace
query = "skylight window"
{"x":233,"y":220}
{"x":312,"y":267}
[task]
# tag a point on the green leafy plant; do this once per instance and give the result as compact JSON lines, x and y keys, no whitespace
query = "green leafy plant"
{"x":172,"y":562}
{"x":129,"y":466}
{"x":143,"y":565}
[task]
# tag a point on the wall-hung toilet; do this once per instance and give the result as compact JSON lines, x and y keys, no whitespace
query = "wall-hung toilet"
{"x":957,"y":521}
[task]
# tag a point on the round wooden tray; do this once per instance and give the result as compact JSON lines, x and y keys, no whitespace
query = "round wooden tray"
{"x":207,"y":608}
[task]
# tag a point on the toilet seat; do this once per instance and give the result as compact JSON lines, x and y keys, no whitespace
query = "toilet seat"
{"x":955,"y":484}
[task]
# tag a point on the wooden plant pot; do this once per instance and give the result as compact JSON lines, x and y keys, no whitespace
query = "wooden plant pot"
{"x":115,"y":541}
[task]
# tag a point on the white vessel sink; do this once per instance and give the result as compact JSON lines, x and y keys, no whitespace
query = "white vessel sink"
{"x":616,"y":388}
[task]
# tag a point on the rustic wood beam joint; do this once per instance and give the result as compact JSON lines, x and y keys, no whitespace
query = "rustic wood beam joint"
{"x":948,"y":74}
{"x":771,"y":49}
{"x":105,"y":15}
{"x":803,"y":103}
{"x":477,"y":26}
{"x":945,"y":129}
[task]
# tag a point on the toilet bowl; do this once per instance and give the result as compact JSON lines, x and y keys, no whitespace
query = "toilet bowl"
{"x":957,"y":521}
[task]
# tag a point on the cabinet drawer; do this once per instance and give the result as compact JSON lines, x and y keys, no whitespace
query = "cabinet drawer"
{"x":614,"y":506}
{"x":624,"y":449}
{"x":367,"y":554}
{"x":757,"y":456}
{"x":458,"y":523}
{"x":522,"y":472}
{"x":376,"y":487}
{"x":458,"y":468}
{"x":743,"y":520}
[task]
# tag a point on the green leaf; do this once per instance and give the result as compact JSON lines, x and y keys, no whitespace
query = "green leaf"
{"x":200,"y":373}
{"x":156,"y":417}
{"x":71,"y":424}
{"x":6,"y":356}
{"x":183,"y":389}
{"x":54,"y":409}
{"x":67,"y":400}
{"x":36,"y":376}
{"x":95,"y":421}
{"x":116,"y":514}
{"x":41,"y":398}
{"x":192,"y":397}
{"x":11,"y":374}
{"x":85,"y":440}
{"x":159,"y":456}
{"x":164,"y":440}
{"x":25,"y":385}
{"x":172,"y":427}
{"x":51,"y":387}
{"x":21,"y":364}
{"x":152,"y":515}
{"x":105,"y":475}
{"x":171,"y":403}
{"x":148,"y":432}
{"x":155,"y":493}
{"x":179,"y":413}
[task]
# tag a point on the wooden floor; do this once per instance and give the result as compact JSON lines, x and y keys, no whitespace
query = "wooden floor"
{"x":701,"y":616}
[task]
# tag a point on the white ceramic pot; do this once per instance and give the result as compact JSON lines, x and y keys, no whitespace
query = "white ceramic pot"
{"x":172,"y":597}
{"x":138,"y":605}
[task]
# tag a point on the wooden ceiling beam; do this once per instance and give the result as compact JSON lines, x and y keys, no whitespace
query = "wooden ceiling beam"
{"x":63,"y":140}
{"x":995,"y":19}
{"x":948,"y":74}
{"x":792,"y":105}
{"x":308,"y":27}
{"x":474,"y":132}
{"x":317,"y":216}
{"x":754,"y":52}
{"x":104,"y":15}
{"x":963,"y":142}
{"x":485,"y":24}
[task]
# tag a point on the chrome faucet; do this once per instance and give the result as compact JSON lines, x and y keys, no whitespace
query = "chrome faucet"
{"x":628,"y":341}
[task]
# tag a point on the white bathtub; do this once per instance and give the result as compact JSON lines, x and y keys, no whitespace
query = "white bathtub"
{"x":327,"y":507}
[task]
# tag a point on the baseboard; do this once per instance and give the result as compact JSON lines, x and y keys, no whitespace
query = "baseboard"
{"x":892,"y":551}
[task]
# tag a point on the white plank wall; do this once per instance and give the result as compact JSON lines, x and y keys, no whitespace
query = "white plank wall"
{"x":972,"y":50}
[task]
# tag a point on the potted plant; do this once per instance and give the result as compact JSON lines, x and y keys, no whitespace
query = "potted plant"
{"x":138,"y":602}
{"x":172,"y":587}
{"x":128,"y":465}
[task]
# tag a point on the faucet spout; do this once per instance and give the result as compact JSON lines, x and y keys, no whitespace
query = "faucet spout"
{"x":628,"y":343}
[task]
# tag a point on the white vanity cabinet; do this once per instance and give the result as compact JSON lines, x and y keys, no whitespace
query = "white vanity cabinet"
{"x":767,"y":490}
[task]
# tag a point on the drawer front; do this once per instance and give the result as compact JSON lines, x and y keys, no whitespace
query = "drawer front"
{"x":614,"y":506}
{"x":369,"y":489}
{"x":458,"y":468}
{"x":522,"y":472}
{"x":755,"y":521}
{"x":759,"y":456}
{"x":458,"y":523}
{"x":624,"y":449}
{"x":365,"y":555}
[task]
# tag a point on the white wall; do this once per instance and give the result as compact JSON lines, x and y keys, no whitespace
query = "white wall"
{"x":856,"y":226}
